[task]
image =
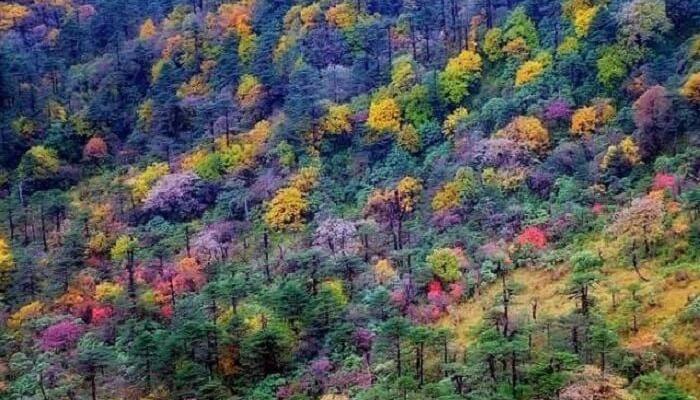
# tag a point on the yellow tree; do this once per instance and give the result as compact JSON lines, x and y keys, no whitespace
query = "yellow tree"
{"x":11,"y":14}
{"x":6,"y":263}
{"x":691,"y":88}
{"x":408,"y":138}
{"x":528,"y":131}
{"x":147,"y":30}
{"x":528,"y":72}
{"x":338,"y":120}
{"x":586,"y":120}
{"x":384,"y":116}
{"x":341,"y":15}
{"x":459,"y":74}
{"x":454,"y":120}
{"x":286,"y":211}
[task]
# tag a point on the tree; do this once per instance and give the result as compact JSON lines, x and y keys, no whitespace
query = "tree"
{"x":391,"y":207}
{"x":11,"y":15}
{"x":61,"y":336}
{"x":266,"y":351}
{"x":445,"y":264}
{"x":93,"y":355}
{"x":638,"y":227}
{"x":384,"y":116}
{"x":603,"y":341}
{"x":585,"y":273}
{"x":586,"y":120}
{"x":652,"y":115}
{"x":453,"y":122}
{"x":6,"y":263}
{"x":532,"y":236}
{"x":528,"y":131}
{"x":393,"y":332}
{"x":39,"y":163}
{"x":691,"y":88}
{"x":529,"y":71}
{"x":148,"y":29}
{"x":95,"y":149}
{"x":643,"y":20}
{"x":287,"y":209}
{"x":337,"y":120}
{"x":460,"y":73}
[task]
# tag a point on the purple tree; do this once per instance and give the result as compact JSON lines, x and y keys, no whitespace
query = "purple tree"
{"x":61,"y":336}
{"x":557,"y":110}
{"x":179,"y":196}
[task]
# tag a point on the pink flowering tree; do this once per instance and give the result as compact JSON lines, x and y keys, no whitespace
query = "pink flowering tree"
{"x":61,"y":336}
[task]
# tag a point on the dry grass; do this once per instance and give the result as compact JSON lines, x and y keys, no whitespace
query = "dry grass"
{"x":663,"y":299}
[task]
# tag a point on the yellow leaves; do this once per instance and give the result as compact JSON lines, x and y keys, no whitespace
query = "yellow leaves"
{"x":447,"y":197}
{"x":108,"y":291}
{"x":586,"y":120}
{"x":24,"y":127}
{"x":409,"y":189}
{"x":528,"y":131}
{"x":453,"y":121}
{"x":11,"y":14}
{"x":39,"y":162}
{"x":286,"y":210}
{"x":7,"y":263}
{"x":583,"y":121}
{"x":691,"y":88}
{"x":409,"y":139}
{"x":190,"y":161}
{"x":98,"y":243}
{"x":630,"y":150}
{"x":249,"y":91}
{"x":122,"y":247}
{"x":236,"y":18}
{"x":147,"y":30}
{"x":338,"y":120}
{"x":341,"y":15}
{"x":506,"y":179}
{"x":528,"y":72}
{"x":466,"y":62}
{"x":384,"y":272}
{"x":196,"y":86}
{"x":246,"y":47}
{"x":516,"y":47}
{"x":141,"y":184}
{"x":493,"y":43}
{"x":403,"y":75}
{"x":569,"y":45}
{"x":145,"y":114}
{"x":460,"y":72}
{"x":56,"y":112}
{"x":27,"y":312}
{"x":384,"y":116}
{"x":336,"y":289}
{"x":582,"y":20}
{"x":157,"y":69}
{"x":305,"y":179}
{"x":310,"y":15}
{"x":626,"y":151}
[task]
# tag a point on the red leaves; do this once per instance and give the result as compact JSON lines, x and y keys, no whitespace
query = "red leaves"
{"x":532,"y":236}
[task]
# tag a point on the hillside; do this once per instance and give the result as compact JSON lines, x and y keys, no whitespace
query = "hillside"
{"x":340,"y":199}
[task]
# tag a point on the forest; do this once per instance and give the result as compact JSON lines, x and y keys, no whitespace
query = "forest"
{"x":350,"y":199}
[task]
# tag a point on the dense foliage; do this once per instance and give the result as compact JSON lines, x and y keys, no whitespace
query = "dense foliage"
{"x":371,"y":199}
